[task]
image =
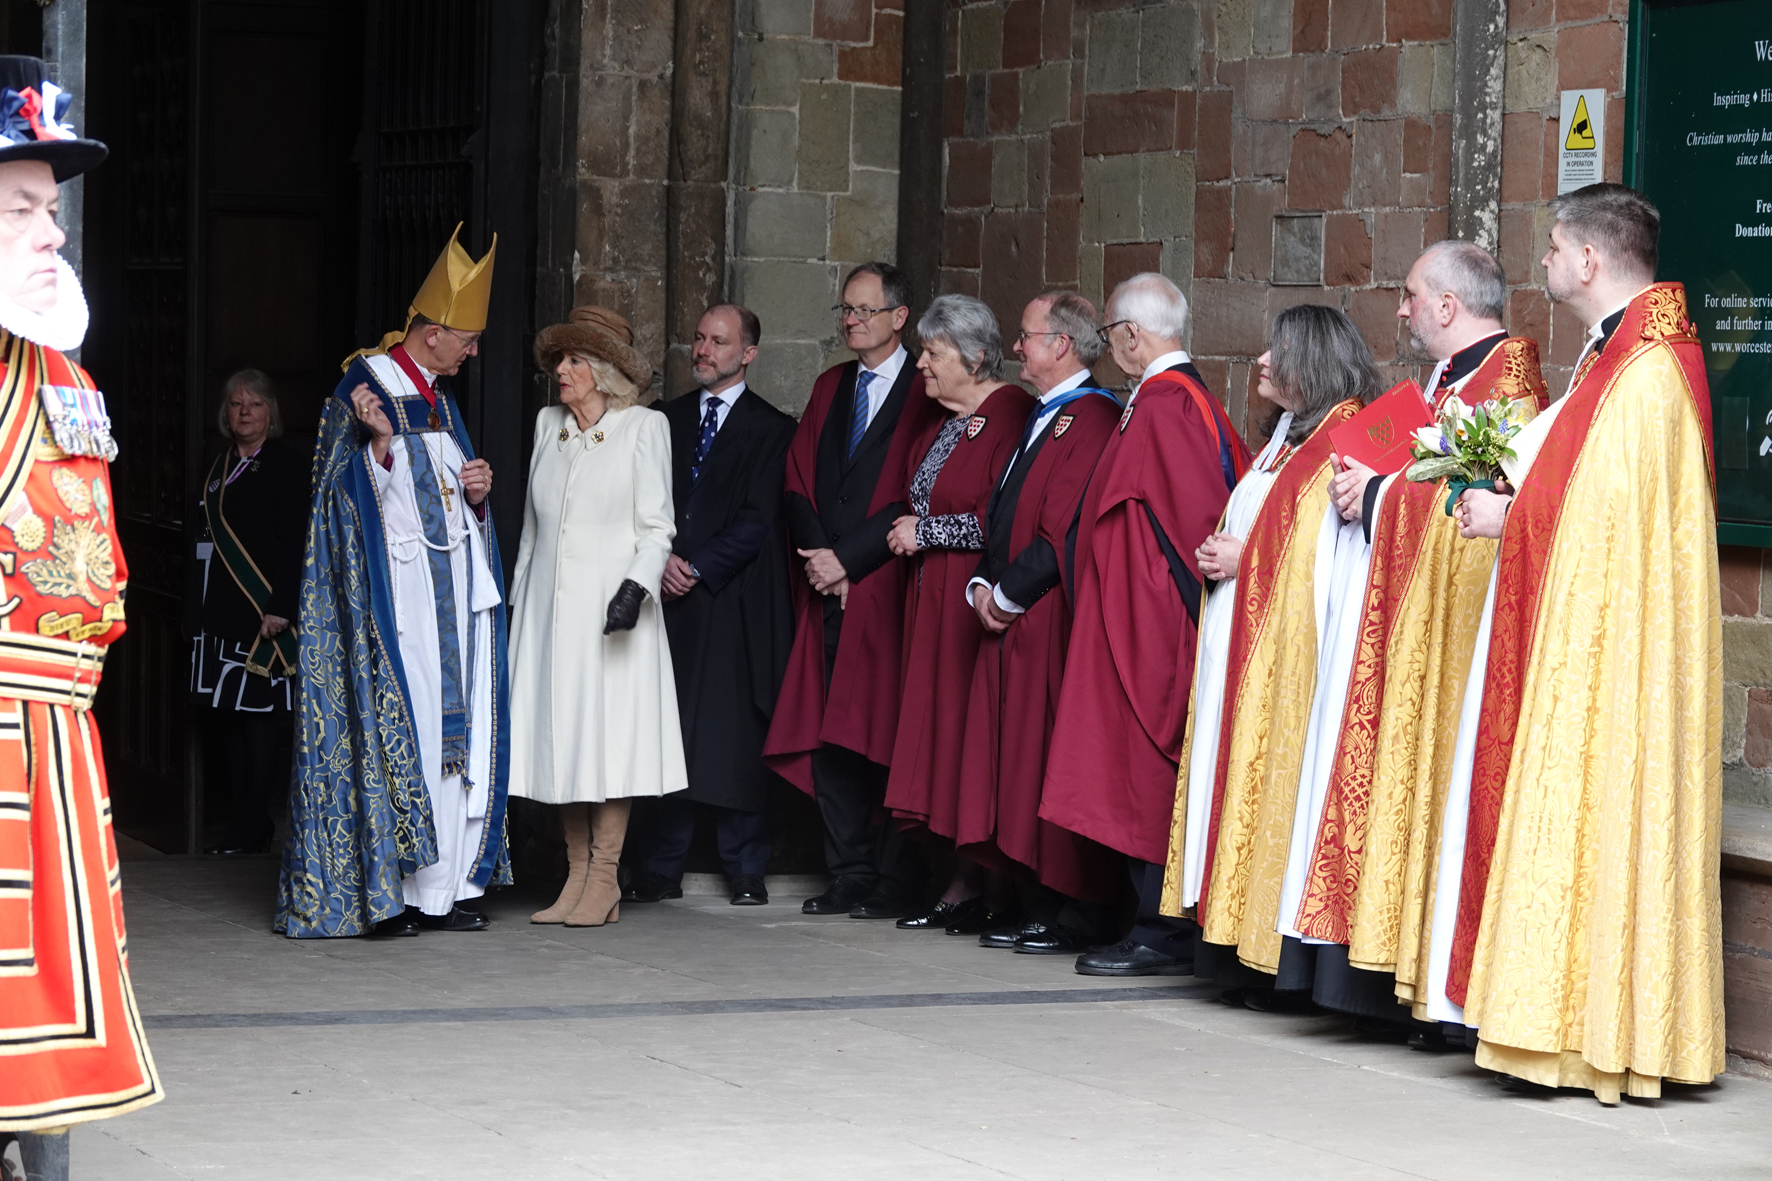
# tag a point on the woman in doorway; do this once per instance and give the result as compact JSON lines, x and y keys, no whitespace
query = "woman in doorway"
{"x":959,"y":460}
{"x":248,"y":569}
{"x":593,"y":699}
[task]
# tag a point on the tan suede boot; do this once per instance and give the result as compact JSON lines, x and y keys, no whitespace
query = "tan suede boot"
{"x":601,"y":901}
{"x":576,"y":820}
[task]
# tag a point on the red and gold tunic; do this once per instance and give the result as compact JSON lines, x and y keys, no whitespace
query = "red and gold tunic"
{"x":71,"y":1042}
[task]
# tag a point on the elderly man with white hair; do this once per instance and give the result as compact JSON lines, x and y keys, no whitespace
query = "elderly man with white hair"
{"x":1157,"y":493}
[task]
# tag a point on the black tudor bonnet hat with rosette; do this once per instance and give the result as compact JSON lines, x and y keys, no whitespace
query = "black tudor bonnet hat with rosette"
{"x":31,"y":112}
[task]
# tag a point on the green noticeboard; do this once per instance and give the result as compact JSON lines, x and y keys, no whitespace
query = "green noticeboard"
{"x":1699,"y":145}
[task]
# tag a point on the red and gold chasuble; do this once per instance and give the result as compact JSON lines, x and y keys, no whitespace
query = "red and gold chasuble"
{"x":71,"y":1043}
{"x":1418,"y":625}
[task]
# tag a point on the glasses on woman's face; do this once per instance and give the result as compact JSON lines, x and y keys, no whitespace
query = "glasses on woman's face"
{"x":1105,"y":329}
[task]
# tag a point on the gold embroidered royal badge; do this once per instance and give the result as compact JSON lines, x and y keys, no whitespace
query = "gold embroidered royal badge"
{"x":79,"y":559}
{"x":26,"y":526}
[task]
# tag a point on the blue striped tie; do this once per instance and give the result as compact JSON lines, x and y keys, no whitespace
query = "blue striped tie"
{"x":858,"y":426}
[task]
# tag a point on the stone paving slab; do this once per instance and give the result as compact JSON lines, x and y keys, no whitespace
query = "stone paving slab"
{"x":696,"y":1040}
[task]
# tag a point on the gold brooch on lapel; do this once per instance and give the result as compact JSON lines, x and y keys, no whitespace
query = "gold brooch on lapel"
{"x":564,"y":435}
{"x":596,"y":436}
{"x":974,"y":426}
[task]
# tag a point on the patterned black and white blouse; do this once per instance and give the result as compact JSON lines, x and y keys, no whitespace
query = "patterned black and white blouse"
{"x":955,"y":530}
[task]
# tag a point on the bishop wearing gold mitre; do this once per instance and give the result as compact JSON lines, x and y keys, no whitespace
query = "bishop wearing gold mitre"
{"x":398,"y":808}
{"x":1364,"y":860}
{"x":71,"y":1042}
{"x":1586,"y":945}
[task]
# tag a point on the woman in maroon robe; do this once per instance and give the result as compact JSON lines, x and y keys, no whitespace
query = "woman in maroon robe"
{"x":957,"y":462}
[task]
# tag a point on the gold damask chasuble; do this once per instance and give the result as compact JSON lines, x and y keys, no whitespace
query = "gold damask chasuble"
{"x":71,"y":1045}
{"x":1596,"y":960}
{"x":1273,"y":668}
{"x":1371,"y":872}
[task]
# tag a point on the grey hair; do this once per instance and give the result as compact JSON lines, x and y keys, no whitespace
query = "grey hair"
{"x":970,"y":327}
{"x":1619,"y":221}
{"x":256,"y":383}
{"x":1153,"y":303}
{"x":616,"y":387}
{"x":1321,"y":358}
{"x":1469,"y":272}
{"x":1076,"y":317}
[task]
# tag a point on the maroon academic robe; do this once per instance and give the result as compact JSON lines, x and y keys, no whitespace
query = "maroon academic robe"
{"x":941,"y":630}
{"x":860,"y":711}
{"x":1016,"y":680}
{"x":1123,"y":709}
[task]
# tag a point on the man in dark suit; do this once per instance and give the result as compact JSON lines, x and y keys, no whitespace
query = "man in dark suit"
{"x":848,"y":476}
{"x":727,"y":612}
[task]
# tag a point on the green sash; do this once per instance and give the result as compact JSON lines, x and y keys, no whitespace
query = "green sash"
{"x":246,"y":576}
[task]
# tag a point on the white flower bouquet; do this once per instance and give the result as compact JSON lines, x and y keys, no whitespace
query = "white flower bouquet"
{"x":1466,"y":446}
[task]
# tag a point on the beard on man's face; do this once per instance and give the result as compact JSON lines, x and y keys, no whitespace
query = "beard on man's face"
{"x":711,"y":372}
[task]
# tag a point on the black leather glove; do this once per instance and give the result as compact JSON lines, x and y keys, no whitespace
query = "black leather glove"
{"x":624,"y":608}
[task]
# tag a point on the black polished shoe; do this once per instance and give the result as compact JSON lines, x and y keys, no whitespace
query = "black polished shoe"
{"x":981,"y":920}
{"x":839,"y":899}
{"x":646,"y":886}
{"x":937,"y":917}
{"x":747,"y":890}
{"x":402,"y":925}
{"x":1006,"y":937}
{"x":1524,"y":1088}
{"x":1054,"y":939}
{"x":882,"y":904}
{"x":1127,"y":958}
{"x":456,"y":920}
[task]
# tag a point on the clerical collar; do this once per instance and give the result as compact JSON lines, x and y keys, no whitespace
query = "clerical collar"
{"x":62,"y":327}
{"x":421,"y":377}
{"x":1464,"y":362}
{"x":1064,"y":387}
{"x":1602,"y":332}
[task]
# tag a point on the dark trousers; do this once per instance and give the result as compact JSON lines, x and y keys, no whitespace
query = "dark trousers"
{"x":861,"y":841}
{"x":1157,"y":931}
{"x":255,"y":754}
{"x":667,"y":825}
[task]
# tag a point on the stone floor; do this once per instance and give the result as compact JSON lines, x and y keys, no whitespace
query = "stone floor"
{"x":697,"y":1040}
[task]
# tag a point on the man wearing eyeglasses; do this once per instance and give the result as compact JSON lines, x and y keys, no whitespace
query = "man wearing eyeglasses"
{"x":1023,"y":592}
{"x":1157,"y":492}
{"x":847,"y":481}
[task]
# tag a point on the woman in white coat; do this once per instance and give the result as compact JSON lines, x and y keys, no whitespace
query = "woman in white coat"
{"x":593,"y":702}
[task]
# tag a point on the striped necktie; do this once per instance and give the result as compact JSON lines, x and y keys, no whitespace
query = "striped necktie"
{"x":858,"y":425}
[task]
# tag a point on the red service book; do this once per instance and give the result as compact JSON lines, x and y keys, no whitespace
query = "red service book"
{"x":1380,"y":435}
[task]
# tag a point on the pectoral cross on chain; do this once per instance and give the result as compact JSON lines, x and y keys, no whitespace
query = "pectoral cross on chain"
{"x":448,"y":504}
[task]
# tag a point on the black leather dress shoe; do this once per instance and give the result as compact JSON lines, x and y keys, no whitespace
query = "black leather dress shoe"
{"x":981,"y":920}
{"x":1127,"y":958}
{"x":839,"y":899}
{"x":651,"y":887}
{"x":747,"y":890}
{"x":881,"y":905}
{"x":937,"y":917}
{"x":1054,"y":939}
{"x":456,"y":920}
{"x":402,"y":925}
{"x":1515,"y":1085}
{"x":1005,"y":937}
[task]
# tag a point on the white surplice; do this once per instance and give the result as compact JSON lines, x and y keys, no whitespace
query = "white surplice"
{"x":458,"y":803}
{"x":1212,"y":658}
{"x":1344,"y":563}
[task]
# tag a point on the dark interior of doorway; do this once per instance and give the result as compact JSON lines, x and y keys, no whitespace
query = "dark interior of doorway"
{"x":283,"y":173}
